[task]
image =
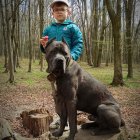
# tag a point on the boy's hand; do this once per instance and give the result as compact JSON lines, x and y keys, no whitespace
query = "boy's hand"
{"x":44,"y":40}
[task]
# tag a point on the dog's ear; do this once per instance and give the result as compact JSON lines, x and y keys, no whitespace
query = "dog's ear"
{"x":49,"y":42}
{"x":64,"y":41}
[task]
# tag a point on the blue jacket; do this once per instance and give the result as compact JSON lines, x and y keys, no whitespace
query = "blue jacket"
{"x":71,"y":34}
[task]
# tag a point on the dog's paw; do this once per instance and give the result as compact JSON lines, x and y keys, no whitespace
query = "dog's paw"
{"x":57,"y":133}
{"x":89,"y":125}
{"x":69,"y":138}
{"x":84,"y":126}
{"x":91,"y":118}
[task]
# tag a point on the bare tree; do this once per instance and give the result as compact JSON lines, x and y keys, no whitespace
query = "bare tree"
{"x":128,"y":13}
{"x":85,"y":29}
{"x":95,"y":30}
{"x":41,"y":11}
{"x":115,"y":16}
{"x":30,"y":42}
{"x":4,"y":35}
{"x":9,"y":42}
{"x":102,"y":34}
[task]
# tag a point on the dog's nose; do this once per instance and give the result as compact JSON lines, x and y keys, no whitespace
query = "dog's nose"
{"x":59,"y":61}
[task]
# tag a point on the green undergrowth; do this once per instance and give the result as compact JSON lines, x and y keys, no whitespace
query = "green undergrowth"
{"x":38,"y":78}
{"x":105,"y":74}
{"x":135,"y":137}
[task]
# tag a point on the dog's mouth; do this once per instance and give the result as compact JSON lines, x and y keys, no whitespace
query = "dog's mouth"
{"x":58,"y":72}
{"x":60,"y":67}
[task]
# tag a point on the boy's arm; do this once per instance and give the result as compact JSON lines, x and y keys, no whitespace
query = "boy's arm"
{"x":43,"y":34}
{"x":77,"y":43}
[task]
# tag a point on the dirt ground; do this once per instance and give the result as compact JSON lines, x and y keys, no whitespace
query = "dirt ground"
{"x":17,"y":98}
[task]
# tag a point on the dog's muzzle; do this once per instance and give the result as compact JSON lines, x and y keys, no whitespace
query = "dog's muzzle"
{"x":58,"y":65}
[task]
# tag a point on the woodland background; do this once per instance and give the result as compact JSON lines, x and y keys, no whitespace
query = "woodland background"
{"x":111,"y":34}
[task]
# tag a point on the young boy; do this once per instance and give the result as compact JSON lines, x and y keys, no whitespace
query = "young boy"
{"x":62,"y":27}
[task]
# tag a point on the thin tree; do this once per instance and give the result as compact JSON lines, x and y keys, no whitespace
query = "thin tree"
{"x":29,"y":43}
{"x":82,"y":5}
{"x":14,"y":6}
{"x":102,"y":33}
{"x":128,"y":14}
{"x":8,"y":35}
{"x":4,"y":36}
{"x":41,"y":11}
{"x":95,"y":30}
{"x":136,"y":42}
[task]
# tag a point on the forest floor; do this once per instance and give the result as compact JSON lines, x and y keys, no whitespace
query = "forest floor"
{"x":32,"y":91}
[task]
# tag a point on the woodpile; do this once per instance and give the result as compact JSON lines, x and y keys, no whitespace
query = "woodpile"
{"x":37,"y":121}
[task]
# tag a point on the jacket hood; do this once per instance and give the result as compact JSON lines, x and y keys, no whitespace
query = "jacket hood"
{"x":66,"y":22}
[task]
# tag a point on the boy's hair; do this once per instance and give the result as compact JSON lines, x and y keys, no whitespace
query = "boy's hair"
{"x":60,"y":2}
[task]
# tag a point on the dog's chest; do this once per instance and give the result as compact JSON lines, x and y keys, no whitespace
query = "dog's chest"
{"x":64,"y":89}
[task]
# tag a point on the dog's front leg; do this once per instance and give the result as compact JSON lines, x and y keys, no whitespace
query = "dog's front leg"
{"x":59,"y":132}
{"x":61,"y":111}
{"x":72,"y":116}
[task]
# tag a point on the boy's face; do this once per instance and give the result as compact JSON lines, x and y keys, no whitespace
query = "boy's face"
{"x":60,"y":12}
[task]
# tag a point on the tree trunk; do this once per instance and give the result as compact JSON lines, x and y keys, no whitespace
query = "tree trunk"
{"x":124,"y":51}
{"x":136,"y":41}
{"x":116,"y":25}
{"x":84,"y":28}
{"x":110,"y":50}
{"x":118,"y":78}
{"x":95,"y":37}
{"x":13,"y":28}
{"x":87,"y":30}
{"x":18,"y":37}
{"x":4,"y":37}
{"x":9,"y":43}
{"x":41,"y":11}
{"x":102,"y":35}
{"x":128,"y":12}
{"x":29,"y":43}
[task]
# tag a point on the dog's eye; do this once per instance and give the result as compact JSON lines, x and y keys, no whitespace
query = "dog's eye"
{"x":52,"y":53}
{"x":65,"y":53}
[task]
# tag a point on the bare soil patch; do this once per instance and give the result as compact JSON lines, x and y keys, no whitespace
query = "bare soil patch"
{"x":16,"y":98}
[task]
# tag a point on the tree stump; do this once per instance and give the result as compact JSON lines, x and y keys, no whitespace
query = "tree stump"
{"x":37,"y":121}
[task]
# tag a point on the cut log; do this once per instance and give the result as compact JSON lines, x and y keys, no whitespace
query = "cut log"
{"x":37,"y":121}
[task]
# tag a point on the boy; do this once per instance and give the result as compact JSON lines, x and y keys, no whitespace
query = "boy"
{"x":62,"y":27}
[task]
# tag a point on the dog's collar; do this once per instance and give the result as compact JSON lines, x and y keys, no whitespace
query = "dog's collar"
{"x":51,"y":77}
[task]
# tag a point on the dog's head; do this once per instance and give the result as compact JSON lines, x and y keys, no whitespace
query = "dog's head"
{"x":57,"y":56}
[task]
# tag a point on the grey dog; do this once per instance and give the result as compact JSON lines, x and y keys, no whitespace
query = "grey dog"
{"x":78,"y":90}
